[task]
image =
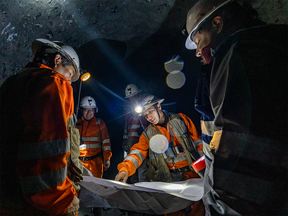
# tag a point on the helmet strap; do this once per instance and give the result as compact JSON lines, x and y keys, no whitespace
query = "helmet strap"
{"x":157,"y":110}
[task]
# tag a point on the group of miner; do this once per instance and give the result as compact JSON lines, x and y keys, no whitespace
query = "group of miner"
{"x":241,"y":96}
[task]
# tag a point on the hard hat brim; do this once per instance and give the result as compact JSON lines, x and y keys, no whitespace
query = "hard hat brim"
{"x":189,"y":44}
{"x":87,"y":106}
{"x":146,"y":106}
{"x":135,"y":93}
{"x":40,"y":42}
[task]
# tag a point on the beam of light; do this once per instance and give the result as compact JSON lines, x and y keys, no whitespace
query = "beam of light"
{"x":117,"y":96}
{"x":107,"y":50}
{"x":94,"y":84}
{"x":108,"y":90}
{"x":118,"y":117}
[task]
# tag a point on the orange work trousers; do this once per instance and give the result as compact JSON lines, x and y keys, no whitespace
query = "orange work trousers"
{"x":95,"y":166}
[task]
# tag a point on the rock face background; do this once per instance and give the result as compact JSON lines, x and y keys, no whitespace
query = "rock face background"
{"x":79,"y":21}
{"x":118,"y":42}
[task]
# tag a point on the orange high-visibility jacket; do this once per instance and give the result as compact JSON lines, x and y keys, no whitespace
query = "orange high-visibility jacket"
{"x":139,"y":150}
{"x":35,"y":107}
{"x":95,"y":140}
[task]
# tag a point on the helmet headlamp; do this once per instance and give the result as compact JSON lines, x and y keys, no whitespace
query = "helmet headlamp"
{"x":138,"y":109}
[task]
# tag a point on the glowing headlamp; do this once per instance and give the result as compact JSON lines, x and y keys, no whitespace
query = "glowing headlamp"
{"x":85,"y":76}
{"x":138,"y":109}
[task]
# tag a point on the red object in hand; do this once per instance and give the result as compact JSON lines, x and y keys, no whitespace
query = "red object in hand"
{"x":199,"y":164}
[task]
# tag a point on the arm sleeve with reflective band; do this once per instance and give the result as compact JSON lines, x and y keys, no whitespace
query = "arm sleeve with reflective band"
{"x":248,"y":94}
{"x":196,"y":137}
{"x":137,"y":154}
{"x":44,"y":147}
{"x":231,"y":107}
{"x":106,"y":144}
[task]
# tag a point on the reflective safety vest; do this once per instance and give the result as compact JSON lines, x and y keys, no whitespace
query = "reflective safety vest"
{"x":185,"y":136}
{"x":94,"y":138}
{"x":35,"y":107}
{"x":132,"y":130}
{"x":132,"y":124}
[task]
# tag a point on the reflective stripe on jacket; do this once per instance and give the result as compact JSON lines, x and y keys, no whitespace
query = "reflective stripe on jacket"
{"x":132,"y":124}
{"x":36,"y":147}
{"x":139,"y":151}
{"x":132,"y":130}
{"x":95,"y":137}
{"x":203,"y":106}
{"x":248,"y":171}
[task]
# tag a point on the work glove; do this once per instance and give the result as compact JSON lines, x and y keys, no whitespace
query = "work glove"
{"x":73,"y":208}
{"x":74,"y":173}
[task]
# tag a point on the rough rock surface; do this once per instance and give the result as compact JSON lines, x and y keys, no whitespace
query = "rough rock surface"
{"x":79,"y":21}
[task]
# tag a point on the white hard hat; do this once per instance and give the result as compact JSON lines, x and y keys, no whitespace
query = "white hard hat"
{"x":60,"y":47}
{"x":88,"y":102}
{"x":149,"y":101}
{"x":131,"y":90}
{"x":198,"y":14}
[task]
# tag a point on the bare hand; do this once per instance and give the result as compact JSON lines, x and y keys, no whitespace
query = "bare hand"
{"x":73,"y":208}
{"x":106,"y":165}
{"x":121,"y":176}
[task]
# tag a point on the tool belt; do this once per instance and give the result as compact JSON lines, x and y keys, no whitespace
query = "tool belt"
{"x":90,"y":158}
{"x":177,"y":174}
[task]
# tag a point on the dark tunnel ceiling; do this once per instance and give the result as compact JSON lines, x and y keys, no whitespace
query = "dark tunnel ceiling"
{"x":77,"y":22}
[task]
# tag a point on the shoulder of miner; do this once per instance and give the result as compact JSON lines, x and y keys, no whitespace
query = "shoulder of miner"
{"x":59,"y":108}
{"x":25,"y":74}
{"x":42,"y":70}
{"x":104,"y":129}
{"x":101,"y":123}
